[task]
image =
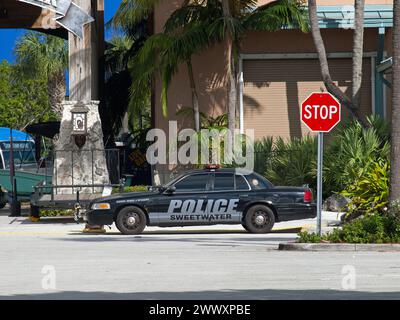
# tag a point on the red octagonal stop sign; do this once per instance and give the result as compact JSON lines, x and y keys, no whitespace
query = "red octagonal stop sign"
{"x":320,"y":112}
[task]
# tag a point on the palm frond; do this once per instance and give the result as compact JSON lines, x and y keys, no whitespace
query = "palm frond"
{"x":131,"y":12}
{"x":278,"y":14}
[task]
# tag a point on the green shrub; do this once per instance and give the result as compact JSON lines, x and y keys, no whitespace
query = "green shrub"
{"x":375,"y":228}
{"x":293,"y":162}
{"x":56,"y":213}
{"x":263,"y":151}
{"x":370,"y":193}
{"x":132,"y":189}
{"x":353,"y":151}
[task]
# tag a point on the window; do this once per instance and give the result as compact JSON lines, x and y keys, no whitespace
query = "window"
{"x":196,"y":182}
{"x":258,"y":182}
{"x":224,"y":181}
{"x":241,"y":183}
{"x":23,"y":153}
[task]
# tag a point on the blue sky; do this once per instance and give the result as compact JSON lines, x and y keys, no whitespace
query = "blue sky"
{"x":8,"y":36}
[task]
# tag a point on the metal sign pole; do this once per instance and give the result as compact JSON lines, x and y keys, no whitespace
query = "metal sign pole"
{"x":319,"y":180}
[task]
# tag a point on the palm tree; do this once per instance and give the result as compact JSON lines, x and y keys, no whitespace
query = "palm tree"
{"x":395,"y":157}
{"x":118,"y":82}
{"x":228,"y":21}
{"x":48,"y":56}
{"x":198,"y":24}
{"x":358,"y":50}
{"x":326,"y":76}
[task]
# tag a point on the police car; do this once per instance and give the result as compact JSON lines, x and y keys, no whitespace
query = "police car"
{"x":205,"y":197}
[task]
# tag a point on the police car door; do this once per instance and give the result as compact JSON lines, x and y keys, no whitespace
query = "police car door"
{"x":187,"y":205}
{"x":226,"y":200}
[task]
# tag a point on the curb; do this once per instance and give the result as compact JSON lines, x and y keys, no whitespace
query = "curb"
{"x":345,"y":247}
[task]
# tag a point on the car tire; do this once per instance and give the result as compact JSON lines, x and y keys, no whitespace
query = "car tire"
{"x":259,"y":219}
{"x":127,"y":225}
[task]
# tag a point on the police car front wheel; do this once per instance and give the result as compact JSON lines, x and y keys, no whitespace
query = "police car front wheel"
{"x":259,"y":219}
{"x":131,"y":220}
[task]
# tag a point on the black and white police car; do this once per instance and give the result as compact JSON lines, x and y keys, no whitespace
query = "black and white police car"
{"x":205,"y":197}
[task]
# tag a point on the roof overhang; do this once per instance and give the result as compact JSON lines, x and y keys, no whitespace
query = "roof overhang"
{"x":342,"y":17}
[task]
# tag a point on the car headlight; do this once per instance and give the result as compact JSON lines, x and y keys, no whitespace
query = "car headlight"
{"x":101,"y":206}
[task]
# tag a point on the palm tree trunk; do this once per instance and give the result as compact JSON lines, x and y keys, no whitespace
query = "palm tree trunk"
{"x":326,"y":76}
{"x":395,"y":140}
{"x":57,"y":88}
{"x":195,"y":96}
{"x":358,"y":46}
{"x":232,"y":84}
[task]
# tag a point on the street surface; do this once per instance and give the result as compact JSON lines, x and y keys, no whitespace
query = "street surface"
{"x":52,"y":259}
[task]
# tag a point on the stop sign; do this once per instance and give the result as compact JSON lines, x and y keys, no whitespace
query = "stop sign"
{"x":320,"y":112}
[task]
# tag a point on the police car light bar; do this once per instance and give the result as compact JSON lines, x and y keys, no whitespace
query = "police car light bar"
{"x":212,"y":167}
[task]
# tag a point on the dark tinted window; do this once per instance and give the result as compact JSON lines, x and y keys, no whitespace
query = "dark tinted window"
{"x":196,"y":182}
{"x":241,"y":183}
{"x":258,"y":182}
{"x":224,"y":181}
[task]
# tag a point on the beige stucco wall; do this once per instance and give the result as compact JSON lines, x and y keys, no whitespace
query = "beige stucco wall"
{"x":209,"y":65}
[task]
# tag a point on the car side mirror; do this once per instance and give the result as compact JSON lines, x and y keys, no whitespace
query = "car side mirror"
{"x":170,"y":190}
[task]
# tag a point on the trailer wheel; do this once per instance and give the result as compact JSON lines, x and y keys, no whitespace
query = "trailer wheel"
{"x":131,"y":220}
{"x":34,"y":211}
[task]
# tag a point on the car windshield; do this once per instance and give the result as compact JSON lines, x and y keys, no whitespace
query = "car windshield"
{"x":23,"y":153}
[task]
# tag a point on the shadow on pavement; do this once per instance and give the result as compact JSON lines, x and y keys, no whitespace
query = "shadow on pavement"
{"x":267,"y":294}
{"x":270,"y":243}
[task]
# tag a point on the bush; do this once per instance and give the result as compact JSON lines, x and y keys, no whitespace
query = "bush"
{"x":370,"y":193}
{"x":263,"y":151}
{"x":352,"y":153}
{"x":132,"y":189}
{"x":56,"y":213}
{"x":375,"y":228}
{"x":293,"y":162}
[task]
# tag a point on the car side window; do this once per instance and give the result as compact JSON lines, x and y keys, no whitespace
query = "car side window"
{"x":224,"y":181}
{"x":257,"y":182}
{"x":241,"y":183}
{"x":195,"y":182}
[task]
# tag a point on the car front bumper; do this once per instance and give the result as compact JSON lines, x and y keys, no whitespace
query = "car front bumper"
{"x":100,"y":217}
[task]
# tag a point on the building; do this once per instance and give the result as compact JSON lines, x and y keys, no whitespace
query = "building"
{"x":280,"y":69}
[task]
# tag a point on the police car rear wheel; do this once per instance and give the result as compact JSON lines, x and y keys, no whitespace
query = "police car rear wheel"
{"x":259,"y":219}
{"x":131,"y":220}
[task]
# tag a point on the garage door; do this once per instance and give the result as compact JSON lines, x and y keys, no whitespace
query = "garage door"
{"x":274,"y":90}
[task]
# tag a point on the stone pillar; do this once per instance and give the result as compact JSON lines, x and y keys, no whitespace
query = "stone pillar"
{"x":85,"y":166}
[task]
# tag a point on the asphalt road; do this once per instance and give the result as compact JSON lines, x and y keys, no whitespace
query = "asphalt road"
{"x":50,"y":260}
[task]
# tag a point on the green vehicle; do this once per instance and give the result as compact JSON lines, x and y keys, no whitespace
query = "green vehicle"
{"x":27,"y":171}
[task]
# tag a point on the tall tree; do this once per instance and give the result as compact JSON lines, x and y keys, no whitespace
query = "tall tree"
{"x":22,"y":101}
{"x":326,"y":76}
{"x":222,"y":21}
{"x":230,"y":72}
{"x":358,"y":51}
{"x":395,"y":153}
{"x":45,"y":55}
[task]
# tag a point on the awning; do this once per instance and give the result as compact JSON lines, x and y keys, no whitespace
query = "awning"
{"x":45,"y":129}
{"x":375,"y":16}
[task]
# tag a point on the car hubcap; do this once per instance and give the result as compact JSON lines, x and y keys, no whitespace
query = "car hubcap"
{"x":260,"y":220}
{"x":131,"y":221}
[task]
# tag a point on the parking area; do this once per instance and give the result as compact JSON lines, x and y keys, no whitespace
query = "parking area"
{"x":53,"y":259}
